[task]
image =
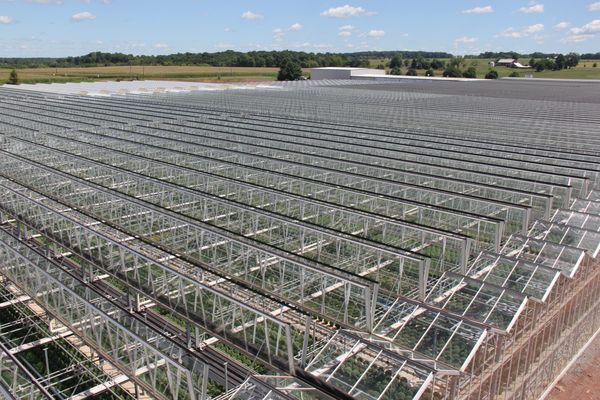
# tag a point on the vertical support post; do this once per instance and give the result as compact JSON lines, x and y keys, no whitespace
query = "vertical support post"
{"x":568,"y":197}
{"x":525,"y":221}
{"x":137,"y":302}
{"x":288,"y":340}
{"x":46,"y":359}
{"x":548,"y":208}
{"x":423,"y":277}
{"x":466,"y":251}
{"x":197,"y":336}
{"x":226,"y":377}
{"x":204,"y":388}
{"x":188,"y":335}
{"x":305,"y":342}
{"x":498,"y":236}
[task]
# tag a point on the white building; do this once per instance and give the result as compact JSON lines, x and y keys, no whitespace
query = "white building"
{"x":342,"y":72}
{"x":506,"y":62}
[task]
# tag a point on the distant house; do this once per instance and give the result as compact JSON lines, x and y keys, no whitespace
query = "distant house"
{"x":510,"y":63}
{"x":506,"y":62}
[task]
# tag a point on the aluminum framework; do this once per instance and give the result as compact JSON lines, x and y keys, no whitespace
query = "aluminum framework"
{"x":322,"y":240}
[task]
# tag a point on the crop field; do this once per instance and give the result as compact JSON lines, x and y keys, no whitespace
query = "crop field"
{"x":187,"y":73}
{"x":321,"y":240}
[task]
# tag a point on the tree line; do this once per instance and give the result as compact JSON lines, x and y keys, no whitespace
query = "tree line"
{"x":227,"y":58}
{"x":275,"y":59}
{"x":557,"y":63}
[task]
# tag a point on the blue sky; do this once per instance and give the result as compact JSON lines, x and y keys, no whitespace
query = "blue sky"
{"x":75,"y":27}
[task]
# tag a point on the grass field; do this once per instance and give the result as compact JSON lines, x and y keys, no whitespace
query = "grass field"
{"x":584,"y":70}
{"x":240,"y":74}
{"x":187,"y":73}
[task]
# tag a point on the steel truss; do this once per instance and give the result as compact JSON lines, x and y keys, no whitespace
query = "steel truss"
{"x":174,"y":289}
{"x":454,"y":249}
{"x":363,"y":240}
{"x":105,"y":332}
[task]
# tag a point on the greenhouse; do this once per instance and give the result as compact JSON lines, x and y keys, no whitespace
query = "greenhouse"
{"x":308,"y":240}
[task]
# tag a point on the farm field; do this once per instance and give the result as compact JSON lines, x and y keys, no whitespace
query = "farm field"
{"x":584,"y":70}
{"x":187,"y":73}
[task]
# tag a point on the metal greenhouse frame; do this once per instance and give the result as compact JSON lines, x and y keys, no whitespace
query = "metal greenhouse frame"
{"x":315,"y":240}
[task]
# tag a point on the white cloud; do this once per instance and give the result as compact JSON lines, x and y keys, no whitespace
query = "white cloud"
{"x":226,"y":46}
{"x":83,"y":16}
{"x":589,"y":28}
{"x":249,"y":15}
{"x":60,"y":2}
{"x":131,"y":46}
{"x":479,"y":10}
{"x":346,"y":28}
{"x":295,"y":27}
{"x":577,"y":38}
{"x":376,"y":33}
{"x":4,"y":20}
{"x":161,"y":46}
{"x":45,"y":1}
{"x":278,"y":34}
{"x":528,"y":30}
{"x":465,"y":40}
{"x":345,"y":33}
{"x":594,"y":6}
{"x":346,"y":11}
{"x":562,"y":25}
{"x":309,"y":45}
{"x":532,"y":8}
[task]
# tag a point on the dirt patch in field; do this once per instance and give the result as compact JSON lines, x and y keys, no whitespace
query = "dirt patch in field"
{"x":582,"y":380}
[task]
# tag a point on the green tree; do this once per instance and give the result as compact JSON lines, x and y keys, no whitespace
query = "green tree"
{"x":13,"y":79}
{"x":539,"y":66}
{"x":572,"y":60}
{"x":452,"y":72}
{"x":411,"y":72}
{"x":514,"y":74}
{"x":471,"y":73}
{"x":429,"y":72}
{"x":456,"y":62}
{"x":396,"y":61}
{"x":289,"y":71}
{"x":545,"y":64}
{"x":419,"y":63}
{"x":245,"y":60}
{"x":560,"y":62}
{"x":437,"y":64}
{"x":492,"y":74}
